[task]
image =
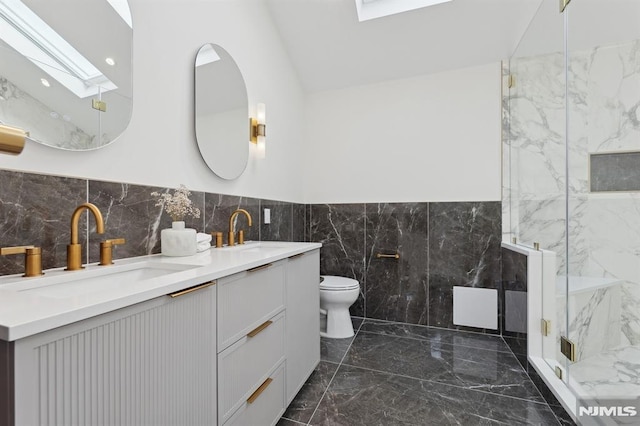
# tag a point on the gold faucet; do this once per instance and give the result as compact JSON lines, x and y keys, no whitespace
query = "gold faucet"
{"x":231,"y":230}
{"x":74,"y":250}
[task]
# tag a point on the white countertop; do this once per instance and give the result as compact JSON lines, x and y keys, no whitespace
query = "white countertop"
{"x":24,"y":312}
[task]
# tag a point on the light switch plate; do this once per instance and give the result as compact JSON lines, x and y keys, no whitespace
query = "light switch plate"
{"x":267,"y":216}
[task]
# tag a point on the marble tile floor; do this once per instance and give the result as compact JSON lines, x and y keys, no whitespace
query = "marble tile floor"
{"x":399,"y":374}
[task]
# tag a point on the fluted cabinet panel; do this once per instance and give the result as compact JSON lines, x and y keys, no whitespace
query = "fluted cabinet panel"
{"x":149,"y":364}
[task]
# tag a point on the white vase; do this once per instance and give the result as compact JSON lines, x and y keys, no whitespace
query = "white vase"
{"x":178,"y":240}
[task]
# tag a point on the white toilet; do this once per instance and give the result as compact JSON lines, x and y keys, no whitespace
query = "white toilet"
{"x":337,"y":294}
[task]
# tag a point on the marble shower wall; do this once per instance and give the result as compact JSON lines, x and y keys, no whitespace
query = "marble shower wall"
{"x":603,"y":117}
{"x":36,"y":209}
{"x":441,"y":245}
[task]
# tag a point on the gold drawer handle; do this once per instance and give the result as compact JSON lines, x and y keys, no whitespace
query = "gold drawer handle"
{"x":257,"y":268}
{"x":388,"y":256}
{"x":258,"y":329}
{"x":191,"y":289}
{"x":295,"y":256}
{"x":258,"y":391}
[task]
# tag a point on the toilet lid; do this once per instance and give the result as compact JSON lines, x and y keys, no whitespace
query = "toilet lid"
{"x":330,"y":282}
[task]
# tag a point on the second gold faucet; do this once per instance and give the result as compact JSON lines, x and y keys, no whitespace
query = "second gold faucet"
{"x":232,"y":218}
{"x":74,"y":250}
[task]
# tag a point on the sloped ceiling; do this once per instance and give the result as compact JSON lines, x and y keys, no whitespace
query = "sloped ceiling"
{"x":330,"y":49}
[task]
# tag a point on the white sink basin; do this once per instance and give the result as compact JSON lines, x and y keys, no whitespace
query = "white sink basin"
{"x":94,"y":279}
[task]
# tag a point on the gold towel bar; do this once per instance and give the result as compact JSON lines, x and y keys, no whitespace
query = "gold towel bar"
{"x":390,"y":256}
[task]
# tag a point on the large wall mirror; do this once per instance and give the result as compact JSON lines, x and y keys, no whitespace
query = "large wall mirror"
{"x":222,"y":112}
{"x":65,"y":70}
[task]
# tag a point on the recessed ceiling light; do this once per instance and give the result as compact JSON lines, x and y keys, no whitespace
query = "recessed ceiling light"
{"x":110,"y":61}
{"x":45,"y":82}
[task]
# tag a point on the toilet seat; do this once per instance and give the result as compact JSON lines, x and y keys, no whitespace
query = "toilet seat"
{"x":333,"y":283}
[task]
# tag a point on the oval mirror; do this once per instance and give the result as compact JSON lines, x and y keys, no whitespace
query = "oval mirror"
{"x":222,"y":112}
{"x":65,"y":70}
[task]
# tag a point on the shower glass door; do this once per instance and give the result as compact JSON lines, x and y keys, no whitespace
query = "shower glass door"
{"x":535,"y":152}
{"x":603,"y":199}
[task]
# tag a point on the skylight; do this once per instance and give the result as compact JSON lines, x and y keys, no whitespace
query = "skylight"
{"x":372,"y":9}
{"x":122,"y":8}
{"x":24,"y":31}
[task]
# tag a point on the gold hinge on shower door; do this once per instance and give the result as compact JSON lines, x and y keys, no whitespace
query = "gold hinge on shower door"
{"x":568,"y":348}
{"x":511,"y":81}
{"x":558,"y":372}
{"x":545,"y":327}
{"x":99,"y":105}
{"x":564,"y":4}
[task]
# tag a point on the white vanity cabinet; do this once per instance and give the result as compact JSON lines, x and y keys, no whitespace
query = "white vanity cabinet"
{"x":303,"y":319}
{"x":268,"y":338}
{"x":233,"y":351}
{"x":251,"y":344}
{"x":150,"y":363}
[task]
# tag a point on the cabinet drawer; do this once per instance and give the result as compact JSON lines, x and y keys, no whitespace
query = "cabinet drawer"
{"x":248,"y":299}
{"x":246,"y":364}
{"x":267,"y":403}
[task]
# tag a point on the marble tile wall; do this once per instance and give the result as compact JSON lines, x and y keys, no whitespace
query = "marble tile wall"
{"x":441,"y":245}
{"x":36,"y":209}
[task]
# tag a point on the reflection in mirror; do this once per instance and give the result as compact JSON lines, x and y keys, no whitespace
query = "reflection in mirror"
{"x":55,"y":66}
{"x":222,"y":112}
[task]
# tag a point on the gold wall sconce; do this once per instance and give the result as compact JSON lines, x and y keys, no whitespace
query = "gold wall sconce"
{"x":259,"y":130}
{"x":12,"y":140}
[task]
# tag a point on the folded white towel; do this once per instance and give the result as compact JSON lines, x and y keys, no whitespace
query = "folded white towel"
{"x":203,"y":238}
{"x":203,"y":246}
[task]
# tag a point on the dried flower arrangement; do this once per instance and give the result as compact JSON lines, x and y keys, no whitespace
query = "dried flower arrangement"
{"x":177,"y":205}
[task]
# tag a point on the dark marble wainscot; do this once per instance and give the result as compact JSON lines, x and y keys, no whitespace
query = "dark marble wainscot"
{"x":280,"y":227}
{"x":300,"y":222}
{"x":36,"y":210}
{"x":464,"y":250}
{"x":218,"y":209}
{"x":341,"y":230}
{"x":130,"y":212}
{"x":397,"y":289}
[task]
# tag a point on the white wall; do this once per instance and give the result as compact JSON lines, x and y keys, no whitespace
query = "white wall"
{"x":159,"y":147}
{"x":431,"y":138}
